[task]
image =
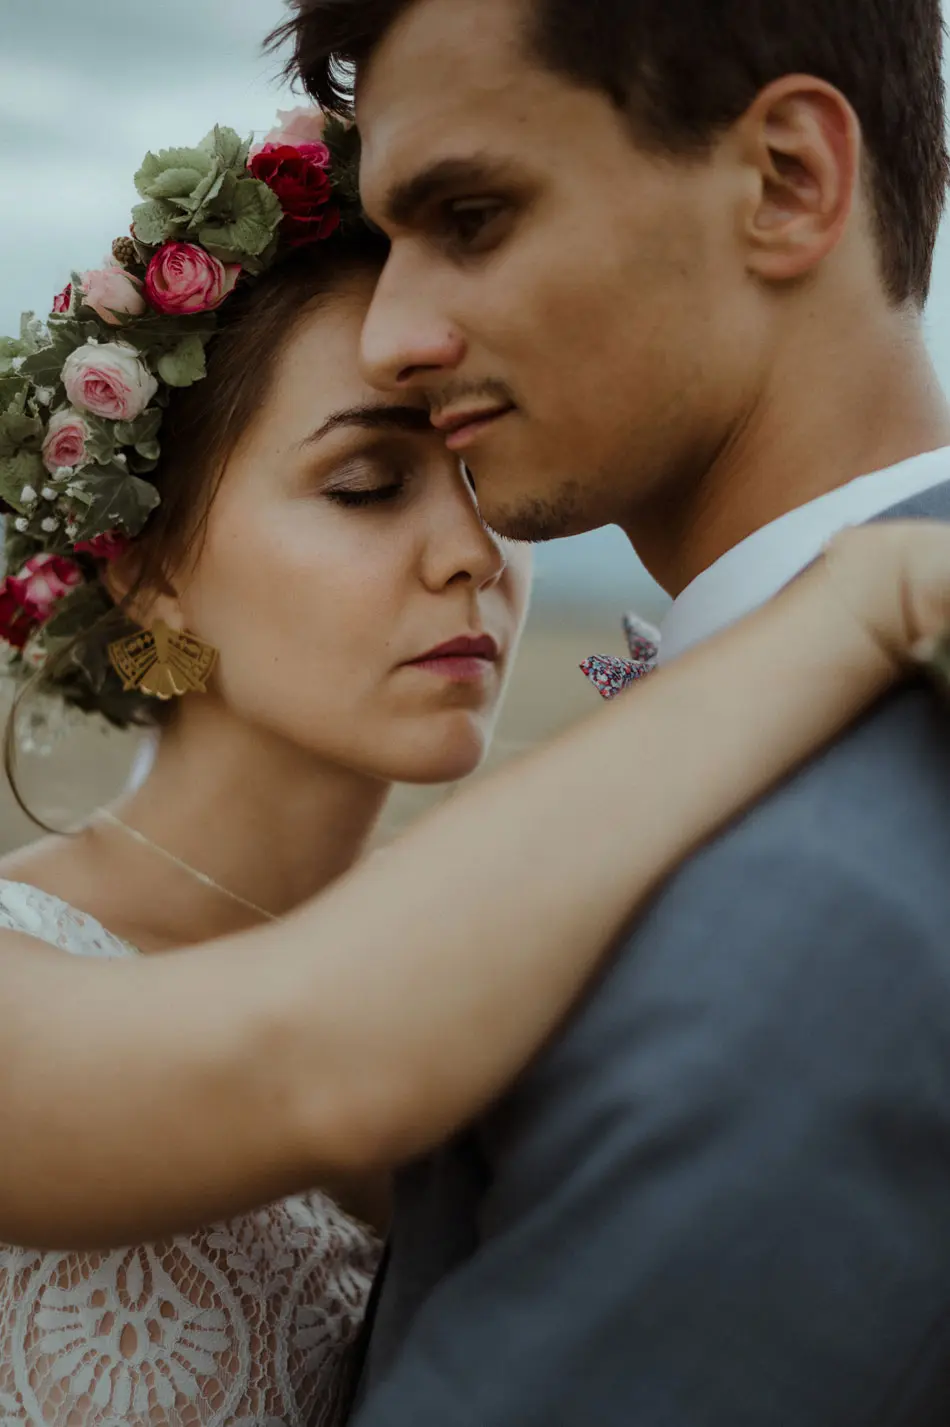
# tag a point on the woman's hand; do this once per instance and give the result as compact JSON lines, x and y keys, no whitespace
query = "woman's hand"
{"x":894,"y":577}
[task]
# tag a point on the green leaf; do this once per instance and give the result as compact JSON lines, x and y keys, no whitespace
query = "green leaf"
{"x":118,"y":500}
{"x":154,"y":223}
{"x":176,"y":184}
{"x":45,"y":368}
{"x":13,"y":389}
{"x":228,"y":147}
{"x":141,"y":464}
{"x":32,"y":333}
{"x":20,"y":431}
{"x":343,"y":141}
{"x":198,"y":203}
{"x":185,"y":365}
{"x":154,"y":166}
{"x":17,"y":549}
{"x":255,"y":217}
{"x":10,"y":352}
{"x":22,"y":468}
{"x":100,"y":443}
{"x":219,"y":202}
{"x":263,"y":261}
{"x":76,"y":613}
{"x":64,"y":336}
{"x":143,"y":429}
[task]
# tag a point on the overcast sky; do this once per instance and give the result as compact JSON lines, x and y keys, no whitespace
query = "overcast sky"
{"x":86,"y":88}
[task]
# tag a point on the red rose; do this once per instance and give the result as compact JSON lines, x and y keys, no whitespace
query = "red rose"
{"x":301,"y":182}
{"x":63,"y":300}
{"x":16,"y":625}
{"x":111,"y":545}
{"x":41,"y":584}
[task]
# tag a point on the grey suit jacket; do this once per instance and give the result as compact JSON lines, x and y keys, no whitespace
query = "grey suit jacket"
{"x":722,"y":1197}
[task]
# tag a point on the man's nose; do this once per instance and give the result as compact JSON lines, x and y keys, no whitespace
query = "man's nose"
{"x":406,"y":344}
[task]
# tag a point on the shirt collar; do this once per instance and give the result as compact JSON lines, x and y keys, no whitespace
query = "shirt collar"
{"x":761,"y":565}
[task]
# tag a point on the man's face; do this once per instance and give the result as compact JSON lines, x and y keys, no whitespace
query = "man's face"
{"x":574,"y":302}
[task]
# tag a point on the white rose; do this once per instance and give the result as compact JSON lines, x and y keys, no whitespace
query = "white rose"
{"x":109,"y":380}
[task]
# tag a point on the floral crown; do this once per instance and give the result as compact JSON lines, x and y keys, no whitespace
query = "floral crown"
{"x":83,"y":395}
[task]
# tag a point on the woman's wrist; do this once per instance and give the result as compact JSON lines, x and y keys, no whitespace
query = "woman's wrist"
{"x":892,"y":577}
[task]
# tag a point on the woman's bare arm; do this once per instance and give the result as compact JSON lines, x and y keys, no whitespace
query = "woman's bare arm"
{"x":144,"y":1097}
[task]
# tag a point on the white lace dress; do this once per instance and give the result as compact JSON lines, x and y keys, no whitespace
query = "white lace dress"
{"x":244,"y":1323}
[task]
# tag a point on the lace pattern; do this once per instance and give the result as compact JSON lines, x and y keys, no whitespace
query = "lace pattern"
{"x":244,"y":1324}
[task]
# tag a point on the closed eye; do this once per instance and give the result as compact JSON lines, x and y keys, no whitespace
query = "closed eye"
{"x":377,"y":495}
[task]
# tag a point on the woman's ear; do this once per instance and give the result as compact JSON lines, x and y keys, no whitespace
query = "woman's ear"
{"x":804,"y":140}
{"x":143,"y":604}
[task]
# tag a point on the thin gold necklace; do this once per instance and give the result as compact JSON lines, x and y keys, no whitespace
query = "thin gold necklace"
{"x":183,"y":866}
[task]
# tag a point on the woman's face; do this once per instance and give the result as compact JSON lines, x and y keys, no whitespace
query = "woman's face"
{"x":343,"y":547}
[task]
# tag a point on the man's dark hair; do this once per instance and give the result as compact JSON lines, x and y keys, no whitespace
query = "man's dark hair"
{"x":686,"y":69}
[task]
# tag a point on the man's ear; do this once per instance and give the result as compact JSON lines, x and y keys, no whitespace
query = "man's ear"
{"x":803,"y":141}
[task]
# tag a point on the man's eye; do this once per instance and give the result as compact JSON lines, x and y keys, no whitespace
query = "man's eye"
{"x":472,"y":219}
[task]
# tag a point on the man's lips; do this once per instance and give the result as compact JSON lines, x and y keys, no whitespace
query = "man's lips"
{"x":462,"y":426}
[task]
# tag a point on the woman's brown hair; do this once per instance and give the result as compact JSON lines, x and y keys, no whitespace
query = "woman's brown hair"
{"x":200,"y":431}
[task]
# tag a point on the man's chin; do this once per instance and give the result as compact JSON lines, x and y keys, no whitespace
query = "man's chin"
{"x":534,"y":518}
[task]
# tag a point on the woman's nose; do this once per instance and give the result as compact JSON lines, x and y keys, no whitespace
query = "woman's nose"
{"x":461,"y":548}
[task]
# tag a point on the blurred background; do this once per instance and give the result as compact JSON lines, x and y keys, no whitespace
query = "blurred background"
{"x":85,"y":91}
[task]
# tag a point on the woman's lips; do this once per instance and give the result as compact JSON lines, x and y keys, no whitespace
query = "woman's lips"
{"x":457,"y":668}
{"x":461,"y":661}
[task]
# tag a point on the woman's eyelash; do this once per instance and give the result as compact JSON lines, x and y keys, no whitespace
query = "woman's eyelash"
{"x":376,"y":496}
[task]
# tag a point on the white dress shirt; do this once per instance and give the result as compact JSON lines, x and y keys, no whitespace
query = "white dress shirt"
{"x":753,"y":571}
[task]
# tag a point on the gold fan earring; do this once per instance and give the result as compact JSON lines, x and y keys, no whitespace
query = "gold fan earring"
{"x":163,"y":663}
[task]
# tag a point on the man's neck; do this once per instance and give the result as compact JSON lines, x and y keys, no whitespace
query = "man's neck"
{"x":867,"y":406}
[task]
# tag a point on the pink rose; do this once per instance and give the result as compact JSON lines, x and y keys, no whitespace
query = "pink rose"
{"x":63,"y":300}
{"x":108,"y":379}
{"x":184,"y":279}
{"x":112,"y":545}
{"x":42,"y":583}
{"x":65,"y":443}
{"x":296,"y":128}
{"x":113,"y":294}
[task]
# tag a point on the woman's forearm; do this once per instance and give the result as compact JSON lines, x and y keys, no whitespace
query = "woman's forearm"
{"x":149,"y":1096}
{"x":447,"y":982}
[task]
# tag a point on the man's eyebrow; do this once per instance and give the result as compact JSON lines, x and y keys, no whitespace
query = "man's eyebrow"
{"x":405,"y":200}
{"x":374,"y":416}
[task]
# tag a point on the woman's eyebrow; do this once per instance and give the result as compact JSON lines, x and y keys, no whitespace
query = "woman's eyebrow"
{"x":378,"y":416}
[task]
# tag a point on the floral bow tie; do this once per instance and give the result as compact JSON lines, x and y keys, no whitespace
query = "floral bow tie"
{"x":610,"y":676}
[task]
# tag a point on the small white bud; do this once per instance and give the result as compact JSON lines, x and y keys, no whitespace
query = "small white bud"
{"x":21,"y":524}
{"x":49,"y":524}
{"x":49,"y":494}
{"x":44,"y":395}
{"x":28,"y":495}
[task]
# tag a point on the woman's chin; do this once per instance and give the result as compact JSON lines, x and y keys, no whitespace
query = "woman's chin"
{"x":443,"y":755}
